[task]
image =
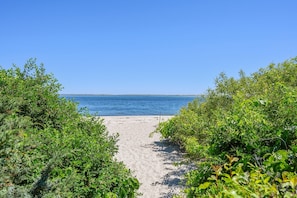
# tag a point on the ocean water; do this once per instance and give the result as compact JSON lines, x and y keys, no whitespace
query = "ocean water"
{"x":124,"y":105}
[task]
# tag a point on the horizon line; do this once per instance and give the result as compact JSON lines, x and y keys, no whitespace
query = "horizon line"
{"x":91,"y":94}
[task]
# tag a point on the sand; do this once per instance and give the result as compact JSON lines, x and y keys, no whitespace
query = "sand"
{"x":151,"y":160}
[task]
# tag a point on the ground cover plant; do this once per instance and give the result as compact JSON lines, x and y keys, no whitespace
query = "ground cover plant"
{"x":48,"y":148}
{"x":242,"y":136}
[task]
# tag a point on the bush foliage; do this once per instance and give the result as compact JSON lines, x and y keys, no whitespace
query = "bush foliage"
{"x":243,"y":135}
{"x":48,"y":148}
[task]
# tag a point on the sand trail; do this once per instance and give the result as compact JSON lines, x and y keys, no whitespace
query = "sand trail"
{"x":150,"y":159}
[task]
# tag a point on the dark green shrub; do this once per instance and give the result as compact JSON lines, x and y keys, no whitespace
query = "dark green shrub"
{"x":49,"y":149}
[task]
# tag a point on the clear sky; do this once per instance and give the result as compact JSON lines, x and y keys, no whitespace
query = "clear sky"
{"x":146,"y":46}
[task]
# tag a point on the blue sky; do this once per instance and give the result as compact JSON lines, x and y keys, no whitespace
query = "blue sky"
{"x":146,"y":46}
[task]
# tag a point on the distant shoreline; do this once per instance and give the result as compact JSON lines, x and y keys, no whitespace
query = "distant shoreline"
{"x":190,"y":95}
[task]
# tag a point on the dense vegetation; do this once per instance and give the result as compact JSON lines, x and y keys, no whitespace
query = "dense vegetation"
{"x":48,"y":148}
{"x":242,"y":136}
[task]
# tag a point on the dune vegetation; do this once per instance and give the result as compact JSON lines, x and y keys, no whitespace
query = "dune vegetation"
{"x":50,"y":149}
{"x":242,"y":136}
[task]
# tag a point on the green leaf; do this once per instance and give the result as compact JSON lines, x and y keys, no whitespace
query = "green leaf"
{"x":204,"y":186}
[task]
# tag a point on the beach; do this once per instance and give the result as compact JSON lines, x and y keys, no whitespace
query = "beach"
{"x":151,"y":160}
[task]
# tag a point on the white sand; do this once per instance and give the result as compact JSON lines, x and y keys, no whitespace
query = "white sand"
{"x":150,"y":159}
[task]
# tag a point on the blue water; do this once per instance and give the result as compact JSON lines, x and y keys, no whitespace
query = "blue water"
{"x":122,"y":105}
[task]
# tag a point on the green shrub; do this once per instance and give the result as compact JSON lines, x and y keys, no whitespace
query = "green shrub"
{"x":49,"y":149}
{"x":228,"y":180}
{"x":251,"y":118}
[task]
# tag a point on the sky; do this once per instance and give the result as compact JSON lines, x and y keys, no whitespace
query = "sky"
{"x":146,"y":46}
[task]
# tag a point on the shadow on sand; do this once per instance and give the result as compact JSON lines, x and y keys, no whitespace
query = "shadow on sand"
{"x":174,"y":158}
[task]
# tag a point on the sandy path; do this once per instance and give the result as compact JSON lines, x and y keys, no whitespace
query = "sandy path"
{"x":150,"y":159}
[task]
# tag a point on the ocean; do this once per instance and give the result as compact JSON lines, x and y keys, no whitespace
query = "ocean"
{"x":129,"y":105}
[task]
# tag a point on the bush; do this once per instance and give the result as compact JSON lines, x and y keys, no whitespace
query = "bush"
{"x":48,"y":148}
{"x":250,"y":118}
